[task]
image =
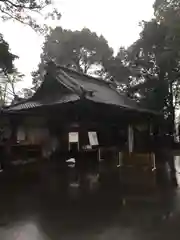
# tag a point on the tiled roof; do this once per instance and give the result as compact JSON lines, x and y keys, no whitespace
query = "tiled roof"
{"x":24,"y":105}
{"x":28,"y":104}
{"x":102,"y":92}
{"x":65,"y":85}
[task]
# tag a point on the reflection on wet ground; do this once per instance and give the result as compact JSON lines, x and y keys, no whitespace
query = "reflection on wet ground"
{"x":35,"y":209}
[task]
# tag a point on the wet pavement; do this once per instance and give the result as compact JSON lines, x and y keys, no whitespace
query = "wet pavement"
{"x":30,"y":210}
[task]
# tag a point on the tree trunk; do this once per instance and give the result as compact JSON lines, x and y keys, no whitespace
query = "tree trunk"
{"x":171,"y":109}
{"x":172,"y":132}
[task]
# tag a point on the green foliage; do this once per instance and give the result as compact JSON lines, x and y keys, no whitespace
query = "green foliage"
{"x":26,"y":93}
{"x":157,"y":55}
{"x":37,"y":77}
{"x":149,"y":70}
{"x":76,"y":49}
{"x":82,"y":50}
{"x":162,"y":8}
{"x":117,"y":68}
{"x":8,"y":74}
{"x":6,"y":57}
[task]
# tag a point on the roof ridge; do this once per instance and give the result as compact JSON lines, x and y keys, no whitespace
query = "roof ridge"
{"x":82,"y":74}
{"x":76,"y":87}
{"x":109,"y":84}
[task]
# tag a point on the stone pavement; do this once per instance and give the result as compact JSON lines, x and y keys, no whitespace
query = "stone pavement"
{"x":49,"y":219}
{"x":29,"y":211}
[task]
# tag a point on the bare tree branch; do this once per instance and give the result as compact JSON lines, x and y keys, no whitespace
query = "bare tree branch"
{"x":21,"y":11}
{"x":30,"y":6}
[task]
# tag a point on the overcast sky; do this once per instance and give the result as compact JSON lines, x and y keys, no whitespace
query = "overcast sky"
{"x":117,"y":20}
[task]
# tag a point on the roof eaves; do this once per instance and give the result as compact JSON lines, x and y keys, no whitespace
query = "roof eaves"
{"x":35,"y":104}
{"x":126,"y":107}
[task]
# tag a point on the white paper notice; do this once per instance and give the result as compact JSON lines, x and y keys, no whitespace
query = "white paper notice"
{"x":93,"y":140}
{"x":73,"y":137}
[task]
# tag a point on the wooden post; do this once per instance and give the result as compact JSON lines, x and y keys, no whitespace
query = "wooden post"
{"x":130,"y":138}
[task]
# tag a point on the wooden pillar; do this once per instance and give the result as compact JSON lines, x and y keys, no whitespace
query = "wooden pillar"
{"x":130,"y":138}
{"x":14,"y":127}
